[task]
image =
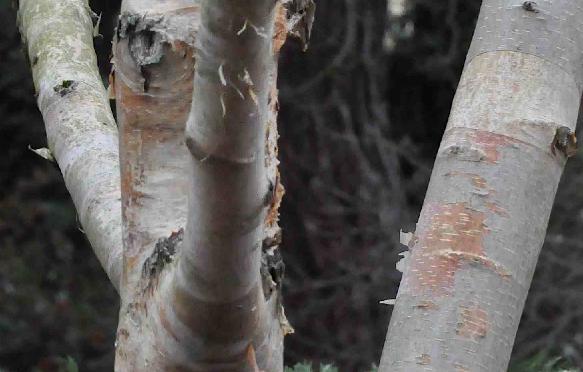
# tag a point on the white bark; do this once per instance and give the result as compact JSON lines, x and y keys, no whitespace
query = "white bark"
{"x":154,"y":66}
{"x":491,"y":192}
{"x":219,"y":276}
{"x":153,"y":72}
{"x":81,"y":131}
{"x":212,"y":302}
{"x":201,"y":304}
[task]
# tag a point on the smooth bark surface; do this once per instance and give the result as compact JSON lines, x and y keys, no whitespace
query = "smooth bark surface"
{"x":81,"y":131}
{"x":486,"y":211}
{"x":218,"y":288}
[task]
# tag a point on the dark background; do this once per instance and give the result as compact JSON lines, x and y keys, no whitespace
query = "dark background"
{"x":362,"y":113}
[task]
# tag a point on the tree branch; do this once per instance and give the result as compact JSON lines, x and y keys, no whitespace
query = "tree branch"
{"x":217,"y":289}
{"x":81,"y":131}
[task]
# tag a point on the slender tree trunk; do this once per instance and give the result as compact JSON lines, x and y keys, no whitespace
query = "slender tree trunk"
{"x":486,"y":210}
{"x":81,"y":131}
{"x":218,"y":290}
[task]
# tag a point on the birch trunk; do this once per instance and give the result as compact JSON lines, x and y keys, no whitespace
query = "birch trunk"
{"x":212,"y":302}
{"x":217,"y":290}
{"x":81,"y":131}
{"x":153,"y":72}
{"x":197,"y":305}
{"x":485,"y":214}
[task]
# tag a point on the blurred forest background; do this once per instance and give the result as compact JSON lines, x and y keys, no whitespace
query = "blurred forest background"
{"x":362,"y":114}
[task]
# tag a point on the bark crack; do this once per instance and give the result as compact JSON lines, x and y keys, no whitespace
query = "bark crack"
{"x":272,"y":265}
{"x":163,"y":254}
{"x":66,"y":87}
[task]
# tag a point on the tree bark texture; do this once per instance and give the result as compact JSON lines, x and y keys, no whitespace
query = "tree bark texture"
{"x":81,"y":131}
{"x":218,"y":289}
{"x":486,"y":210}
{"x":203,"y":294}
{"x":152,"y":80}
{"x":153,"y":72}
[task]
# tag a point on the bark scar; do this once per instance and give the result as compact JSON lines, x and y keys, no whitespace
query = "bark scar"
{"x":66,"y":87}
{"x":272,"y":265}
{"x":530,"y":6}
{"x":473,"y":323}
{"x":565,"y":141}
{"x":424,"y":359}
{"x":163,"y":254}
{"x":450,"y":236}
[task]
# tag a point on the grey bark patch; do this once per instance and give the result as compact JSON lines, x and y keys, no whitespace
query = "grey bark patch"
{"x":272,"y":265}
{"x":547,"y":29}
{"x":66,"y":87}
{"x":163,"y":254}
{"x":465,"y":152}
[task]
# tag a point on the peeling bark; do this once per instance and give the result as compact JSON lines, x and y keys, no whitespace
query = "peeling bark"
{"x":81,"y":131}
{"x":491,"y":191}
{"x":212,"y":301}
{"x":203,"y":295}
{"x":153,"y":72}
{"x":152,"y":79}
{"x":232,"y":189}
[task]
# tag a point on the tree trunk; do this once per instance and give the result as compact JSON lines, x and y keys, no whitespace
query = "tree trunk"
{"x":197,"y":305}
{"x":213,"y":301}
{"x":81,"y":131}
{"x":486,"y":210}
{"x":153,"y":72}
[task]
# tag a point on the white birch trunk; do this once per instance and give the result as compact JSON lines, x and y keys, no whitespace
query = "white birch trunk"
{"x":81,"y":131}
{"x":213,"y":302}
{"x":491,"y":192}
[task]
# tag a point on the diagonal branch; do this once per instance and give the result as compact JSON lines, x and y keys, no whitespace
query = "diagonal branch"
{"x":81,"y":130}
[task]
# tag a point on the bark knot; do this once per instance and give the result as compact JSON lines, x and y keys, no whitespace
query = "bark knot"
{"x":145,"y":44}
{"x":163,"y":254}
{"x":565,"y":141}
{"x":66,"y":87}
{"x":530,"y":6}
